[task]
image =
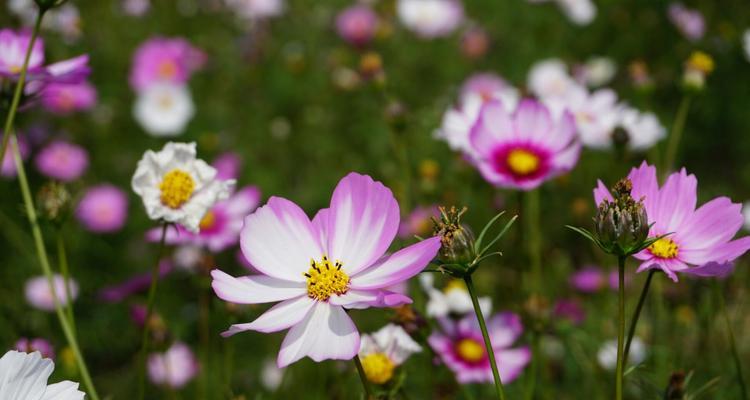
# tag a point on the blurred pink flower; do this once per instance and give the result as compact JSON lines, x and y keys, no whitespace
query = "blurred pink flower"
{"x":569,"y":309}
{"x":140,"y":282}
{"x":588,"y":279}
{"x":174,"y":368}
{"x":228,"y":166}
{"x":418,"y":222}
{"x":523,"y":149}
{"x":103,"y":208}
{"x":357,"y":24}
{"x":39,"y":293}
{"x":171,"y":60}
{"x":700,"y":240}
{"x":317,"y":269}
{"x":62,"y":160}
{"x":614,"y":279}
{"x":8,"y":169}
{"x":461,"y":347}
{"x":688,"y":21}
{"x":43,"y":346}
{"x":62,"y":99}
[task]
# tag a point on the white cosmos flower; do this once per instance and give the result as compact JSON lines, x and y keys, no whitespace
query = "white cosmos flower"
{"x":596,"y":115}
{"x":382,"y":351}
{"x":174,"y":368}
{"x":164,"y":109}
{"x":643,"y":128}
{"x":430,"y":18}
{"x":598,"y":71}
{"x":177,"y":187}
{"x":24,"y":377}
{"x":607,"y":355}
{"x":550,"y":81}
{"x":453,"y":299}
{"x":579,"y":12}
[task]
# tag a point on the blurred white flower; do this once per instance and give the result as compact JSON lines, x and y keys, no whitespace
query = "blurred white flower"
{"x":746,"y":214}
{"x":256,"y":9}
{"x":164,"y":109}
{"x":430,"y":18}
{"x":382,"y":351}
{"x":188,"y":257}
{"x":746,"y":43}
{"x":135,"y":8}
{"x":642,"y":128}
{"x":271,"y":375}
{"x":579,"y":12}
{"x":595,"y":113}
{"x":453,"y":299}
{"x":550,"y":81}
{"x":598,"y":71}
{"x":24,"y":376}
{"x":174,"y":368}
{"x":39,"y":293}
{"x":177,"y":187}
{"x":607,"y":355}
{"x":65,"y":19}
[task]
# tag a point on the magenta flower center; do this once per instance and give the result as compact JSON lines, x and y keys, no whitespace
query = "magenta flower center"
{"x":664,"y":248}
{"x":520,"y":161}
{"x":325,"y":278}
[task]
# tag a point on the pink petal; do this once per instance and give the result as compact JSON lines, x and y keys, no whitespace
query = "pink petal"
{"x":711,"y":270}
{"x":504,"y":328}
{"x":320,"y":224}
{"x":243,"y":202}
{"x":325,"y":333}
{"x":676,"y":203}
{"x":564,"y":132}
{"x":254,"y":289}
{"x":493,"y":126}
{"x":279,"y":240}
{"x":714,"y":222}
{"x":601,"y":193}
{"x":645,"y":186}
{"x":362,"y":222}
{"x":360,"y":299}
{"x":532,"y":121}
{"x":511,"y":362}
{"x":399,"y":267}
{"x":721,"y":253}
{"x":565,"y":160}
{"x":279,"y":317}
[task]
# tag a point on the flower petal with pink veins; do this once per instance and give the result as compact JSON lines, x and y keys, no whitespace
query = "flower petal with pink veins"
{"x":493,"y":126}
{"x":279,"y":317}
{"x":601,"y":193}
{"x":399,"y":267}
{"x":714,"y":222}
{"x":645,"y":186}
{"x":532,"y":121}
{"x":254,"y":289}
{"x":676,"y":203}
{"x":720,"y":253}
{"x":511,"y":362}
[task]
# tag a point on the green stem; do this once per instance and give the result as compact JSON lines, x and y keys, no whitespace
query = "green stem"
{"x":19,"y":87}
{"x":534,"y":240}
{"x":637,"y":313}
{"x":149,"y":310}
{"x":486,"y":336}
{"x":620,"y":328}
{"x":676,"y":135}
{"x":41,"y":252}
{"x":732,"y":343}
{"x":363,"y":378}
{"x":62,"y":259}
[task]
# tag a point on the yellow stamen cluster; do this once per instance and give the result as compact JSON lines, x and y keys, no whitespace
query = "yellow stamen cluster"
{"x":176,"y":188}
{"x":522,"y":162}
{"x":208,"y":220}
{"x":378,"y":368}
{"x":455,"y":284}
{"x":701,"y":61}
{"x":470,"y":350}
{"x":325,"y":278}
{"x":664,"y":248}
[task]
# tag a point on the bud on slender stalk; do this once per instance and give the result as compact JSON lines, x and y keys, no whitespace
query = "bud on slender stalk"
{"x":53,"y":202}
{"x":457,"y":240}
{"x":622,"y":224}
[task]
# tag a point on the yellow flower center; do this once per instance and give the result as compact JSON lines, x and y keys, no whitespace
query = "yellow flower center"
{"x":523,"y":162}
{"x":176,"y":188}
{"x":325,"y":278}
{"x":378,"y":368}
{"x":454,"y":284}
{"x":15,"y":69}
{"x":167,"y":69}
{"x":664,"y":248}
{"x":470,"y":350}
{"x":701,"y":61}
{"x":208,"y":220}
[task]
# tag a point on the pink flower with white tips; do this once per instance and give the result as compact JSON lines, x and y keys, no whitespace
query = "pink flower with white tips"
{"x":699,"y":241}
{"x":317,"y":269}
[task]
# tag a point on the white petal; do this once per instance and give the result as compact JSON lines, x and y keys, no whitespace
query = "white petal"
{"x":24,"y":376}
{"x":279,"y":317}
{"x":65,"y":390}
{"x":254,"y":289}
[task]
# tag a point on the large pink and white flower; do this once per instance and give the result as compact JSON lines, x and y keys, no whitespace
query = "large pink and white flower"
{"x":317,"y":269}
{"x":63,"y":99}
{"x":526,"y":148}
{"x":461,"y":347}
{"x":700,"y":240}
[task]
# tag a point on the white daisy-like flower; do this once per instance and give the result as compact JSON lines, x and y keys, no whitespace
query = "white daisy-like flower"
{"x":643,"y":128}
{"x":430,"y":18}
{"x":550,"y":81}
{"x":176,"y":187}
{"x":24,"y":376}
{"x":382,"y":351}
{"x":453,"y":299}
{"x":164,"y":109}
{"x":607,"y":355}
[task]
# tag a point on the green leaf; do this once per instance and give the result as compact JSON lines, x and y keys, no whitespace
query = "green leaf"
{"x":478,"y":243}
{"x":499,"y":235}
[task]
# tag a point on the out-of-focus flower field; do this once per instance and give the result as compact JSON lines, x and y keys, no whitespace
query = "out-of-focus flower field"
{"x":522,"y":107}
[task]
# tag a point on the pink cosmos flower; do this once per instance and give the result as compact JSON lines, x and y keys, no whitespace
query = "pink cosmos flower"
{"x":523,"y":149}
{"x":62,"y":160}
{"x":319,"y":268}
{"x":688,"y":21}
{"x":570,"y":310}
{"x":39,"y":293}
{"x":103,"y":208}
{"x":174,"y":368}
{"x":461,"y":347}
{"x":220,"y":227}
{"x":8,"y":169}
{"x":63,"y":99}
{"x":589,"y":279}
{"x":43,"y":346}
{"x":227,"y":166}
{"x":170,"y":60}
{"x":700,"y":240}
{"x":418,"y":222}
{"x":357,"y":24}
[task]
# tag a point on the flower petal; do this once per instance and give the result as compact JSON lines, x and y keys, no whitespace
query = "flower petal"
{"x":254,"y":289}
{"x":712,"y":223}
{"x":360,"y":299}
{"x":511,"y":362}
{"x":646,"y":186}
{"x":399,"y":267}
{"x":676,"y":203}
{"x":711,"y":270}
{"x":279,"y":240}
{"x":721,"y":253}
{"x":24,"y":376}
{"x":504,"y":328}
{"x":532,"y":121}
{"x":493,"y":126}
{"x":279,"y":317}
{"x":601,"y":193}
{"x":65,"y":390}
{"x":320,"y":224}
{"x":362,"y":222}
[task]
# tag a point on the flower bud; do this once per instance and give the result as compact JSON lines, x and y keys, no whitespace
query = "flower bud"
{"x":622,"y":224}
{"x":53,"y":202}
{"x":457,"y":240}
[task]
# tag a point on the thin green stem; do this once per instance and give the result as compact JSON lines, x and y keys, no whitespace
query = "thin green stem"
{"x":62,"y":259}
{"x":486,"y":336}
{"x":637,"y":314}
{"x":363,"y":378}
{"x":620,"y":327}
{"x":533,"y":238}
{"x":149,"y":311}
{"x":10,"y":118}
{"x":676,"y":135}
{"x":732,"y":343}
{"x":41,"y":252}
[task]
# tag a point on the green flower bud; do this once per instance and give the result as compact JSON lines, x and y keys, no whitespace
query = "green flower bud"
{"x":622,"y":224}
{"x":457,"y":240}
